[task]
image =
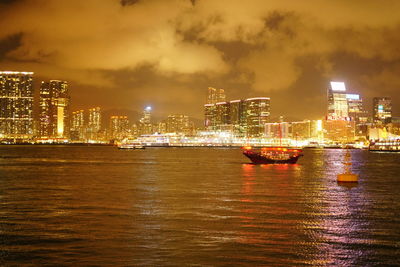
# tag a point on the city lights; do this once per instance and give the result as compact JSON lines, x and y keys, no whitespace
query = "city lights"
{"x":338,"y":86}
{"x":226,"y":122}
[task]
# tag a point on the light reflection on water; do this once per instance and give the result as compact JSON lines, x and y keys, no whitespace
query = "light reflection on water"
{"x":103,"y":206}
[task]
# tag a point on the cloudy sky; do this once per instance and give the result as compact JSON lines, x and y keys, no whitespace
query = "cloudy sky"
{"x":132,"y":53}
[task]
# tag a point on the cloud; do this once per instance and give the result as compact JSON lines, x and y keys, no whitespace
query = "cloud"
{"x":89,"y":35}
{"x":256,"y":47}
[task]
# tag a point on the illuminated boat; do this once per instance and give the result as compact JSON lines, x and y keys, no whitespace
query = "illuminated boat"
{"x":385,"y":145}
{"x":272,"y":155}
{"x":131,"y":146}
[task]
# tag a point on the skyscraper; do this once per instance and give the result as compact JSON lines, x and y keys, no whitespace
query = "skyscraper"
{"x":119,"y":127}
{"x":222,"y":114}
{"x":78,"y":125}
{"x":337,"y":101}
{"x":257,"y":115}
{"x":382,"y":109}
{"x":358,"y":114}
{"x":215,"y":95}
{"x":210,"y":117}
{"x":54,"y":109}
{"x":94,"y":124}
{"x":16,"y":104}
{"x":356,"y":109}
{"x":145,"y":122}
{"x":237,"y":116}
{"x":177,"y":123}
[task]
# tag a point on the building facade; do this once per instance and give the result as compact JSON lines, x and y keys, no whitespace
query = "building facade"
{"x":145,"y":124}
{"x":210,"y":117}
{"x":237,"y":117}
{"x":16,"y":104}
{"x":54,"y":103}
{"x":215,"y":95}
{"x":93,"y":129}
{"x":119,"y":127}
{"x":257,"y":115}
{"x":337,"y":101}
{"x":382,"y":109}
{"x":177,"y":123}
{"x":77,"y":131}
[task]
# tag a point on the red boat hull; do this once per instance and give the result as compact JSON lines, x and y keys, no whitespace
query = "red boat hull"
{"x":258,"y":158}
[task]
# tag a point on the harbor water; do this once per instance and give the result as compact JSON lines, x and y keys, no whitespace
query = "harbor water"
{"x":100,"y":206}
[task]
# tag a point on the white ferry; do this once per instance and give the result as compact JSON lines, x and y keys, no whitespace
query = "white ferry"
{"x":385,"y":145}
{"x":131,"y":146}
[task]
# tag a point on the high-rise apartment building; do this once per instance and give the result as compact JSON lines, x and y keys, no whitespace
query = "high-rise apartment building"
{"x":257,"y":115}
{"x":337,"y":102}
{"x":94,"y":124}
{"x":356,"y":109}
{"x":382,"y":109}
{"x":145,"y":122}
{"x":16,"y":104}
{"x":77,"y":131}
{"x":222,"y":114}
{"x":342,"y":131}
{"x":54,"y":105}
{"x":215,"y":95}
{"x":237,"y":117}
{"x":177,"y":123}
{"x":210,"y":117}
{"x":119,"y":127}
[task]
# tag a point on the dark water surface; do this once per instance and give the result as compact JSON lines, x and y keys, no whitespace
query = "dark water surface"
{"x":99,"y":206}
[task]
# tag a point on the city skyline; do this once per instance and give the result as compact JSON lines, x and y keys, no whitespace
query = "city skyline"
{"x":114,"y":55}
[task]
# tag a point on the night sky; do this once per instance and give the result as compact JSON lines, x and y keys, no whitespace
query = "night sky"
{"x":165,"y":53}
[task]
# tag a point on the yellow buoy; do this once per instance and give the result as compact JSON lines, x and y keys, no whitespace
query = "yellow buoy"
{"x":348,"y":176}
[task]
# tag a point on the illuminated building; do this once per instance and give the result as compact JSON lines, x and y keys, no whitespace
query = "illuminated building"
{"x":382,"y":109}
{"x":94,"y":124}
{"x":237,"y":116}
{"x":298,"y":131}
{"x":54,"y":109}
{"x":340,"y":131}
{"x":357,"y":114}
{"x":277,"y":130}
{"x":257,"y":115}
{"x":222,"y":114}
{"x":162,"y":127}
{"x":210,"y":117}
{"x":356,"y":109}
{"x":119,"y":127}
{"x":337,"y":101}
{"x":145,"y":122}
{"x":177,"y":123}
{"x":215,"y":95}
{"x":77,"y":125}
{"x":16,"y":104}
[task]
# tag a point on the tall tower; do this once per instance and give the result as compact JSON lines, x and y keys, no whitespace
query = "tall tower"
{"x":215,"y":95}
{"x":237,"y":116}
{"x":119,"y":127}
{"x":94,"y":123}
{"x":337,"y":102}
{"x":382,"y":109}
{"x":257,"y":115}
{"x":78,"y":125}
{"x":145,"y":121}
{"x":177,"y":123}
{"x":54,"y":109}
{"x":16,"y":104}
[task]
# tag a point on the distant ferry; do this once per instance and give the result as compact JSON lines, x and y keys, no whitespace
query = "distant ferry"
{"x":385,"y":145}
{"x":272,"y":155}
{"x":131,"y":146}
